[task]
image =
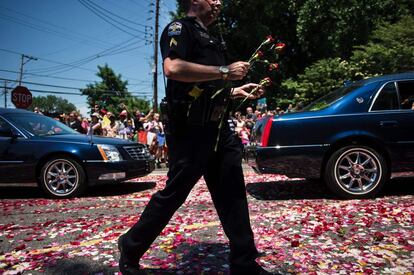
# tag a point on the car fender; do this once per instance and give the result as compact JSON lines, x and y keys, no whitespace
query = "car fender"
{"x":78,"y":152}
{"x":356,"y":137}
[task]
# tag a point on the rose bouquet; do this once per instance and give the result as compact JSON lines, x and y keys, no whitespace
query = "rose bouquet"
{"x":264,"y":63}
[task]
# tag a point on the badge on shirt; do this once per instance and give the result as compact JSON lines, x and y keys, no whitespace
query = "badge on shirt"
{"x":175,"y":29}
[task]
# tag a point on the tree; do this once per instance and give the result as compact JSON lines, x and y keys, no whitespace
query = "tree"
{"x":52,"y":105}
{"x":314,"y":30}
{"x":390,"y":50}
{"x":331,"y":28}
{"x":320,"y":78}
{"x":112,"y":93}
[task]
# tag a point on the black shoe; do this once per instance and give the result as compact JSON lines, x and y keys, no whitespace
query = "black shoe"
{"x":255,"y":269}
{"x":126,"y":266}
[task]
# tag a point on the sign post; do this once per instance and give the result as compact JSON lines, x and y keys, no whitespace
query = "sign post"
{"x":21,"y":97}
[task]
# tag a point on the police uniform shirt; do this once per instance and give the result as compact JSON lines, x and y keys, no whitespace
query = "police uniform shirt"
{"x":186,"y":39}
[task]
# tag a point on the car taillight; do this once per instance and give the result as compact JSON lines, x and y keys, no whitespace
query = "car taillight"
{"x":266,"y":132}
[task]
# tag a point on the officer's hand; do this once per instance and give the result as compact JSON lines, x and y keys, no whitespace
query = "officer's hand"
{"x":238,"y":70}
{"x":251,"y":91}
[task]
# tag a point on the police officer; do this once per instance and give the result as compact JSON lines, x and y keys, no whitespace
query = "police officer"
{"x":195,"y":65}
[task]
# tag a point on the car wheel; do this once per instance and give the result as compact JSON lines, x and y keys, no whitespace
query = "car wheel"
{"x":62,"y":178}
{"x":355,"y":172}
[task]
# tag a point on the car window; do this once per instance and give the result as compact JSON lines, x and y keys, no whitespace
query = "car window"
{"x":406,"y":90}
{"x":4,"y":126}
{"x":387,"y":98}
{"x":39,"y":125}
{"x":331,"y":98}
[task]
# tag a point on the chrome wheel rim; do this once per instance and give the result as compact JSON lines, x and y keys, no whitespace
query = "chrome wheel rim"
{"x":61,"y":177}
{"x":358,"y":171}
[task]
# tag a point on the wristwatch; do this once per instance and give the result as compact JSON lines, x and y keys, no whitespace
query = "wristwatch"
{"x":224,"y":70}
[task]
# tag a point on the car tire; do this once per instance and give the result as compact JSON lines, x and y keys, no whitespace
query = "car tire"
{"x":356,"y":172}
{"x":62,"y":177}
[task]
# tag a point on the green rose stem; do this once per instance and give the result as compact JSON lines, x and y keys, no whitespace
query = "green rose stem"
{"x":264,"y":82}
{"x":267,"y":41}
{"x":244,"y":99}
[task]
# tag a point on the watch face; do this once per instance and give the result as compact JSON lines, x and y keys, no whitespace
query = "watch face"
{"x":224,"y":70}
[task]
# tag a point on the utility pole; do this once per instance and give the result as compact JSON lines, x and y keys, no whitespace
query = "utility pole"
{"x":155,"y":70}
{"x":21,"y":66}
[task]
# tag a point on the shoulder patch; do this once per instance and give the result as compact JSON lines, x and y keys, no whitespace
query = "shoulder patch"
{"x":175,"y":29}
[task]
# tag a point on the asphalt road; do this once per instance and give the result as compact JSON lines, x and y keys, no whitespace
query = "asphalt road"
{"x":299,"y":228}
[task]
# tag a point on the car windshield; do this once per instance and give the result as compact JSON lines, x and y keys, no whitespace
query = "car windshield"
{"x":331,"y":98}
{"x":39,"y":125}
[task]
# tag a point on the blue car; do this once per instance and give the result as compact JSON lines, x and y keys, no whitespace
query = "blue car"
{"x":355,"y":138}
{"x":36,"y":149}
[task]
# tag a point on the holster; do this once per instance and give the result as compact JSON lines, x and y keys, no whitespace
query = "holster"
{"x":177,"y":115}
{"x":174,"y":115}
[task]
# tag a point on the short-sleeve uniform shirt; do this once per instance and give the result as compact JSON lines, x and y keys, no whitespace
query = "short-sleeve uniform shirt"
{"x":186,"y":39}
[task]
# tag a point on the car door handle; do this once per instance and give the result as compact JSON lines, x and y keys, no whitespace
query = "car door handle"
{"x":389,"y":123}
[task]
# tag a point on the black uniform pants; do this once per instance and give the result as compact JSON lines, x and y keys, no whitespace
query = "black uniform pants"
{"x":191,"y":156}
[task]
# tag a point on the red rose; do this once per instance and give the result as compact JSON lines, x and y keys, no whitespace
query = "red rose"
{"x":269,"y":39}
{"x":279,"y":47}
{"x":273,"y":67}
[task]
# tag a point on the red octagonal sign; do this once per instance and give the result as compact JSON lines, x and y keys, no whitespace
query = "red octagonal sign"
{"x":21,"y":97}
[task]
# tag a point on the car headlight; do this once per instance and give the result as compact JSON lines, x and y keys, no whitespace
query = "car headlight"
{"x":109,"y":152}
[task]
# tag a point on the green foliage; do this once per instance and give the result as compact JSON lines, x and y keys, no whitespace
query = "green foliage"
{"x":321,"y":36}
{"x":321,"y":78}
{"x":52,"y":105}
{"x":111,"y":93}
{"x":330,"y":28}
{"x":390,"y":50}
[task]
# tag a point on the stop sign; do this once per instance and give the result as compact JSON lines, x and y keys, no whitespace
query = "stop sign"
{"x":21,"y":97}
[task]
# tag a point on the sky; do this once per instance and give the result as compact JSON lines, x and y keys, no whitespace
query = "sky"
{"x":70,"y":38}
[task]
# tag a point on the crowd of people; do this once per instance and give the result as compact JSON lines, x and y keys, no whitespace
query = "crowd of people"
{"x":148,"y":128}
{"x":243,"y":123}
{"x":136,"y":126}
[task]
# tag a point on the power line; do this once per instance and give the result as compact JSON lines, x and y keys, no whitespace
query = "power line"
{"x":117,"y":16}
{"x":51,"y":92}
{"x":78,"y":94}
{"x":44,"y":29}
{"x":110,"y":20}
{"x":56,"y":62}
{"x":61,"y":87}
{"x":138,"y":4}
{"x":67,"y":31}
{"x":47,"y":76}
{"x":141,"y":82}
{"x":48,"y":60}
{"x":117,"y":49}
{"x":42,"y":84}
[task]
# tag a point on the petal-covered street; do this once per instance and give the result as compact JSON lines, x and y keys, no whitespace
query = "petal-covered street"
{"x":299,"y":227}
